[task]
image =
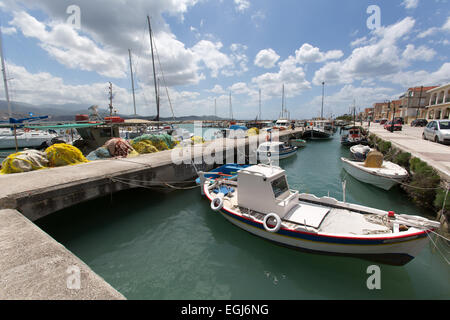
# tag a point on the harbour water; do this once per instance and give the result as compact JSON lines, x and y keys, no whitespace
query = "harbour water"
{"x":153,"y":245}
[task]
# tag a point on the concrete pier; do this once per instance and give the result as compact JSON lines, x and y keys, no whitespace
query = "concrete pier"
{"x":38,"y":193}
{"x":33,"y":266}
{"x":410,"y":140}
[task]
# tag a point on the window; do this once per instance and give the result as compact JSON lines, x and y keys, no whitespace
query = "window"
{"x":444,"y":125}
{"x":279,"y":186}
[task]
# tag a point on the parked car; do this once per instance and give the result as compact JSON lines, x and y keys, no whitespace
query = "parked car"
{"x":437,"y":131}
{"x":399,"y":119}
{"x":383,"y":121}
{"x":397,"y":125}
{"x":419,"y":123}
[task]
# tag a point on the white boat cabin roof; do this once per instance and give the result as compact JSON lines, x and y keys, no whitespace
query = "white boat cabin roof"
{"x":271,"y":146}
{"x":266,"y":170}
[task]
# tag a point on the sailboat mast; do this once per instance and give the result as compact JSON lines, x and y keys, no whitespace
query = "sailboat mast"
{"x":260,"y":105}
{"x":282,"y":104}
{"x":132,"y":82}
{"x":231,"y":108}
{"x":323,"y":92}
{"x":154,"y":70}
{"x":5,"y":81}
{"x":215,"y":109}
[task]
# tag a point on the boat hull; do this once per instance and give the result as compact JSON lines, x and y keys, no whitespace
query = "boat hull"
{"x":262,"y":156}
{"x":389,"y":250}
{"x":8,"y":142}
{"x":316,"y":134}
{"x":366,"y":177}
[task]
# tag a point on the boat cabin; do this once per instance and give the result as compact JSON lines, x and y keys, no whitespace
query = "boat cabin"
{"x":265,"y":189}
{"x":273,"y":146}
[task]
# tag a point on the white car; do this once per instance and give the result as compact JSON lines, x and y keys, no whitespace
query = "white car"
{"x":437,"y":131}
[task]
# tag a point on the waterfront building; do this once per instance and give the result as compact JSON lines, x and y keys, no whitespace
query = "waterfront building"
{"x":413,"y":103}
{"x":438,"y":103}
{"x":380,"y":110}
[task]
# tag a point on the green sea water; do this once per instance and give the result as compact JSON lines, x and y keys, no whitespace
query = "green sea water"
{"x":154,"y":245}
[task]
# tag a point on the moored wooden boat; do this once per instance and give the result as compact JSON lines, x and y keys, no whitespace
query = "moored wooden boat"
{"x":385,"y":176}
{"x":258,"y":200}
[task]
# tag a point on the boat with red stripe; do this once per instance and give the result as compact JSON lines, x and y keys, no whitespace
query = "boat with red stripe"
{"x":258,"y":199}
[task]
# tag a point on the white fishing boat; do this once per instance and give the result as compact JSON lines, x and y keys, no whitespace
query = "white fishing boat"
{"x":275,"y":150}
{"x":359,"y":152}
{"x":258,"y":199}
{"x":380,"y":173}
{"x":299,"y":143}
{"x":25,"y":139}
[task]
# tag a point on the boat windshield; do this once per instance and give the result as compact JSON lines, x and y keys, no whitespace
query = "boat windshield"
{"x":279,"y":186}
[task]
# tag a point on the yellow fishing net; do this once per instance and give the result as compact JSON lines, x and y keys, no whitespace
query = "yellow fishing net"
{"x":24,"y":161}
{"x":144,"y":146}
{"x":197,"y":140}
{"x":253,"y":132}
{"x":62,"y":154}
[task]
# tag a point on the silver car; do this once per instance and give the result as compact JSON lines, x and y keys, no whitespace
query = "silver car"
{"x":437,"y":131}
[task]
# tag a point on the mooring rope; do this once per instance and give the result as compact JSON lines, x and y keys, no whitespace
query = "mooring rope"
{"x":443,"y":256}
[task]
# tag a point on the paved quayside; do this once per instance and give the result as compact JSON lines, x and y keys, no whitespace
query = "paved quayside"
{"x":34,"y":266}
{"x":410,"y":140}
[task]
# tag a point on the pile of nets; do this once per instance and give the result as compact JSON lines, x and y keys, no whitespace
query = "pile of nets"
{"x":118,"y":147}
{"x":197,"y":140}
{"x":150,"y":143}
{"x":115,"y":147}
{"x":253,"y":132}
{"x":163,"y":140}
{"x":24,"y":161}
{"x":99,"y":154}
{"x":62,"y":154}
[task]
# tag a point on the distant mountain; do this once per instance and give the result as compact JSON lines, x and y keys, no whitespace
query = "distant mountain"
{"x":67,"y":112}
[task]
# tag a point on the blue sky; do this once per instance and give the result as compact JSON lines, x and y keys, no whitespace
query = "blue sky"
{"x":209,"y":48}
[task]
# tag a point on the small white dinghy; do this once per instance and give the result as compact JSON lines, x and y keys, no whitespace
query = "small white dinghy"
{"x":258,"y":199}
{"x":274,"y":150}
{"x":374,"y":170}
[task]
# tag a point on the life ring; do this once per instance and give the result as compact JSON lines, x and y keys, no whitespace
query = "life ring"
{"x":277,"y":219}
{"x":217,"y":203}
{"x":26,"y":129}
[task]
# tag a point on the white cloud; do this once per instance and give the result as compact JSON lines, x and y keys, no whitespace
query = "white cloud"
{"x":242,"y":5}
{"x":380,"y":58}
{"x":307,"y":54}
{"x":209,"y":53}
{"x":420,"y":53}
{"x":217,"y":89}
{"x":69,"y":48}
{"x":433,"y":30}
{"x":266,"y":58}
{"x":421,"y":77}
{"x":9,"y":30}
{"x":446,"y":26}
{"x":410,"y":4}
{"x":290,"y":74}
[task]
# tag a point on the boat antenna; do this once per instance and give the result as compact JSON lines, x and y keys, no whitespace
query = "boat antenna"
{"x":5,"y":80}
{"x":132,"y":82}
{"x":323,"y":92}
{"x":154,"y":70}
{"x":110,"y":98}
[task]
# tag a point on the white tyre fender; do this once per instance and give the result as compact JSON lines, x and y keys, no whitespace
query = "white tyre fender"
{"x":277,"y":219}
{"x":217,"y":203}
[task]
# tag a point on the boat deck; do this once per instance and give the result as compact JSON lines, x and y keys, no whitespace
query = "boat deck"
{"x":316,"y":218}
